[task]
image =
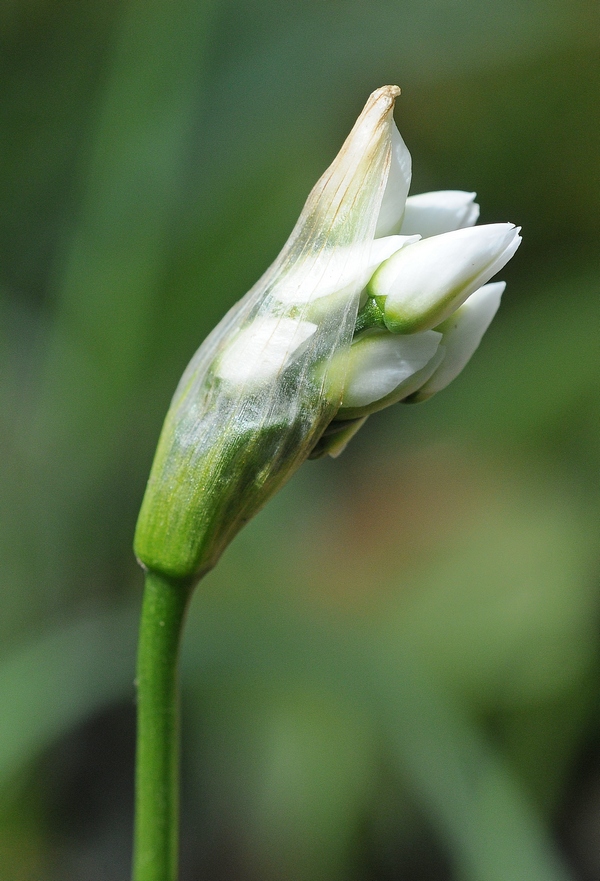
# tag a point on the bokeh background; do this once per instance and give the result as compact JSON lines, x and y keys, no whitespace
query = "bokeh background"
{"x":393,"y":674}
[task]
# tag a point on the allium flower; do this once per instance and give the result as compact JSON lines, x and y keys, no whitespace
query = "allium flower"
{"x":362,"y":308}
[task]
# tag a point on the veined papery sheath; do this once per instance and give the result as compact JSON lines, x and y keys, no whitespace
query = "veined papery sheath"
{"x":256,"y":397}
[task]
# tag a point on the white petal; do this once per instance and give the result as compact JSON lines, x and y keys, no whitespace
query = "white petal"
{"x":431,"y":214}
{"x":379,"y":363}
{"x":315,"y":277}
{"x":425,"y":282}
{"x":262,"y":350}
{"x":462,"y":333}
{"x":397,"y":187}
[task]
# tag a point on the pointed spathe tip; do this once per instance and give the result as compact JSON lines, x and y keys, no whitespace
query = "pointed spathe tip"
{"x":385,"y":97}
{"x":392,"y":92}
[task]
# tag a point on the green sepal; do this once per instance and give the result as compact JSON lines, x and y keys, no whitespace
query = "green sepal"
{"x":370,"y":316}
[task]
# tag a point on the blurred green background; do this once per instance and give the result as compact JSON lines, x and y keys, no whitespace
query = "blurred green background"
{"x":393,"y":674}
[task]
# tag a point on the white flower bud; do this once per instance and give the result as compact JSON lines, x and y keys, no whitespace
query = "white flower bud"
{"x":396,"y":190}
{"x":382,"y":367}
{"x":260,"y":352}
{"x":348,"y":267}
{"x":430,"y":214}
{"x":421,"y":285}
{"x":462,"y":333}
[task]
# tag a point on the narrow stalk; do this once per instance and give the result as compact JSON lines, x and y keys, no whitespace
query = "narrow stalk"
{"x":156,"y":838}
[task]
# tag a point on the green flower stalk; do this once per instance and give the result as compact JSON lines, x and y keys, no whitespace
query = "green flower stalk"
{"x":376,"y":298}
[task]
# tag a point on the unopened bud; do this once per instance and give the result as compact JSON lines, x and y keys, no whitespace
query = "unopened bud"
{"x":383,"y":368}
{"x":423,"y":284}
{"x":461,"y":335}
{"x":431,"y":214}
{"x":259,"y":353}
{"x":347,"y":268}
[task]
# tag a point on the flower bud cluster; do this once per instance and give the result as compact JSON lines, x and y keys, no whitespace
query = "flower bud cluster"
{"x":376,"y":298}
{"x":426,"y":307}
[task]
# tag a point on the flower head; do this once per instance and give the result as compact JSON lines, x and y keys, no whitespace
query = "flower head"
{"x":343,"y":323}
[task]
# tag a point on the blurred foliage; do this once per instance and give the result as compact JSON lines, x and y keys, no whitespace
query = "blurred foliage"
{"x":393,"y":673}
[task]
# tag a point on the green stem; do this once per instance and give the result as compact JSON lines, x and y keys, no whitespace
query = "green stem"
{"x":156,"y":836}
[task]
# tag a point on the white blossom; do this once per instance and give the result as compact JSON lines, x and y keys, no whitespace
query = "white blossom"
{"x":461,"y":335}
{"x":430,"y":214}
{"x":423,"y":284}
{"x":382,"y":364}
{"x":312,"y":278}
{"x":260,"y":352}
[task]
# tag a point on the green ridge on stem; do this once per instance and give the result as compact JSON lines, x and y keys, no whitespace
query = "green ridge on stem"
{"x":156,"y":836}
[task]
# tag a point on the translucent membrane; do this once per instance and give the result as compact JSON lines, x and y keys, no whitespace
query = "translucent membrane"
{"x":242,"y":420}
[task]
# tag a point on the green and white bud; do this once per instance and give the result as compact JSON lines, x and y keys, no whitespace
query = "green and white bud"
{"x":423,"y":284}
{"x":256,"y":398}
{"x":260,"y":352}
{"x":383,"y":368}
{"x":346,"y":269}
{"x":461,"y":335}
{"x":430,"y":214}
